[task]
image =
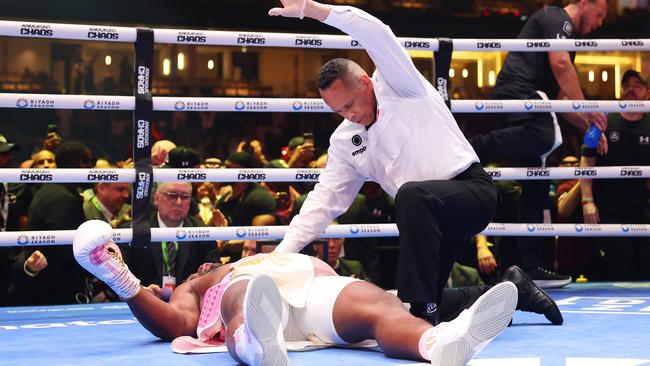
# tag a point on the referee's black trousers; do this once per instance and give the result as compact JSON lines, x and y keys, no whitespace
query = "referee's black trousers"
{"x":434,"y":218}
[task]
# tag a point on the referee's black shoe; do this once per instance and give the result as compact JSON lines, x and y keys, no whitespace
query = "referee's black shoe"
{"x":531,"y":297}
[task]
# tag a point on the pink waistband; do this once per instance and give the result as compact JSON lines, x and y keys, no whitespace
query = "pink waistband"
{"x":210,"y":320}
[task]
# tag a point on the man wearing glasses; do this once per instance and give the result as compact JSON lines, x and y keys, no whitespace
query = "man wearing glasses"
{"x":163,"y":266}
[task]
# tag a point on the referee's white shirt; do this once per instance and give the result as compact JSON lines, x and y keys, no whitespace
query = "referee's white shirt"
{"x":414,"y":138}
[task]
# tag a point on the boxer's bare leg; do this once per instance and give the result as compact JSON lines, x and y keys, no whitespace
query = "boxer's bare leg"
{"x":364,"y":311}
{"x":232,"y":312}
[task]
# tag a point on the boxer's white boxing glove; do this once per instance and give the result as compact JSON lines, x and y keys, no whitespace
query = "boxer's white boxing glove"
{"x":95,"y":251}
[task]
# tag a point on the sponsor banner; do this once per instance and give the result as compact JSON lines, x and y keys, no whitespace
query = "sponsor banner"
{"x":535,"y":45}
{"x":58,"y":101}
{"x":67,"y":31}
{"x":62,"y":237}
{"x":545,"y":106}
{"x":66,"y":175}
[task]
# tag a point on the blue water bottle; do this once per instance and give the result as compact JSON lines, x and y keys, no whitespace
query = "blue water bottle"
{"x":592,"y":137}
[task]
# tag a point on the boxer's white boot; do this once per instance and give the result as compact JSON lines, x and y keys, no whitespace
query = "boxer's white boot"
{"x":462,"y":338}
{"x":259,"y":341}
{"x":95,"y":251}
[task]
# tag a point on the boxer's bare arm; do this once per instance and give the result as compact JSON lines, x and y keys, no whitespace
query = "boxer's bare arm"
{"x":180,"y":315}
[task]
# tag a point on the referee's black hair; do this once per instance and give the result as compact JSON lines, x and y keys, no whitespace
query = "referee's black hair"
{"x":332,"y":70}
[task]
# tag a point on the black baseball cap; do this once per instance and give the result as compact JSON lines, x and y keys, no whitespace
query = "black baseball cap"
{"x":634,"y":74}
{"x":183,"y":157}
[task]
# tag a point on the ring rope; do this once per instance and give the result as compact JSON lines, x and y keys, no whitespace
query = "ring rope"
{"x":313,"y":105}
{"x":69,"y":175}
{"x":295,"y":40}
{"x":64,"y":237}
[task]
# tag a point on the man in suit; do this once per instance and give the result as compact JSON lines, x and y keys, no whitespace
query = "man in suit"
{"x":166,"y":265}
{"x":109,"y":204}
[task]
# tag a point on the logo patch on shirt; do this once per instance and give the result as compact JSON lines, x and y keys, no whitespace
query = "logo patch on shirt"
{"x":567,"y":28}
{"x":614,"y":136}
{"x":356,"y":140}
{"x":644,"y":140}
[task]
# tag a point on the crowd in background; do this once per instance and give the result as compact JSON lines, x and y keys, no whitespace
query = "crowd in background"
{"x":210,"y":140}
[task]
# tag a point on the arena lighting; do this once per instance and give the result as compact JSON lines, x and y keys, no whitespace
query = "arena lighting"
{"x":604,"y":76}
{"x":452,"y":72}
{"x":167,"y":67}
{"x":592,"y":76}
{"x":465,"y":73}
{"x":108,"y":60}
{"x":492,"y":78}
{"x":210,"y":64}
{"x":180,"y":61}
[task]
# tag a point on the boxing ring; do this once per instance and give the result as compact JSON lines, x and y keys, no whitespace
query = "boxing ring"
{"x":605,"y":323}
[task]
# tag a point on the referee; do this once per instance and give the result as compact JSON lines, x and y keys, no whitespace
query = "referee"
{"x":399,"y":133}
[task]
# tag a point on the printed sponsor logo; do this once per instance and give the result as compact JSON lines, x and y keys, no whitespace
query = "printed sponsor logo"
{"x":42,"y":30}
{"x":355,"y":43}
{"x":196,"y":234}
{"x":190,"y":105}
{"x":252,"y":232}
{"x":634,"y":228}
{"x":192,"y":175}
{"x":614,"y":136}
{"x":312,"y":41}
{"x":588,"y":228}
{"x":586,"y":44}
{"x":39,"y":103}
{"x":488,"y":105}
{"x":538,"y":172}
{"x":360,"y":151}
{"x":417,"y":44}
{"x":494,"y":173}
{"x":585,"y":172}
{"x":354,"y":230}
{"x":142,"y":140}
{"x":540,"y":228}
{"x":110,"y":175}
{"x":101,"y":104}
{"x":538,"y":44}
{"x":22,"y":103}
{"x":103,"y":33}
{"x":181,"y":234}
{"x":644,"y":140}
{"x":631,"y":172}
{"x":632,"y":43}
{"x":240,"y":233}
{"x":495,"y":45}
{"x":622,"y":104}
{"x":35,"y":175}
{"x":251,"y":175}
{"x":307,"y":175}
{"x":22,"y":239}
{"x":36,"y":239}
{"x":441,"y":85}
{"x":298,"y":105}
{"x":585,"y":104}
{"x":357,"y":140}
{"x":191,"y":37}
{"x":251,"y":105}
{"x":567,"y":28}
{"x":143,"y":79}
{"x":538,"y":105}
{"x":497,"y":227}
{"x":144,"y":181}
{"x":250,"y":38}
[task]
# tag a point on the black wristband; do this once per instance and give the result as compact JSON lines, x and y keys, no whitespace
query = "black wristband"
{"x":589,"y":152}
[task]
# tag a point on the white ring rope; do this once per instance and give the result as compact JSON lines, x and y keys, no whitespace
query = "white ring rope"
{"x":63,"y":237}
{"x":314,"y":105}
{"x":68,"y":175}
{"x":294,"y":40}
